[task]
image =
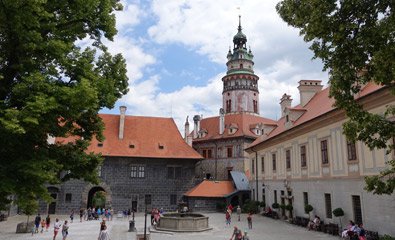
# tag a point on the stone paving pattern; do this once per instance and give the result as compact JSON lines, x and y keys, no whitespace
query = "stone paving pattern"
{"x":263,"y":228}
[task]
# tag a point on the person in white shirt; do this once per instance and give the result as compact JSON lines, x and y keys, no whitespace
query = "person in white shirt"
{"x":56,"y":227}
{"x":104,"y":235}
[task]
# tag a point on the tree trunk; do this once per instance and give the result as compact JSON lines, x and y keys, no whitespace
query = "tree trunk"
{"x":27,"y":223}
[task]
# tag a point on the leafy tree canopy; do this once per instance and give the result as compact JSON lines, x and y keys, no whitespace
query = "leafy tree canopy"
{"x":50,"y":87}
{"x":356,"y":41}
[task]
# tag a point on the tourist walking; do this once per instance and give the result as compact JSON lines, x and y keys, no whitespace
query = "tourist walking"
{"x":249,"y":220}
{"x":81,"y":214}
{"x":236,"y":233}
{"x":227,"y":218}
{"x":56,"y":227}
{"x":42,"y":225}
{"x":238,"y":212}
{"x":246,"y":237}
{"x":37,"y":222}
{"x":65,"y":230}
{"x":72,"y":215}
{"x":48,"y":221}
{"x":104,"y":235}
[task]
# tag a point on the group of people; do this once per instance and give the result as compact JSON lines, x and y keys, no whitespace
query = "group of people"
{"x":354,"y":231}
{"x":45,"y":223}
{"x":93,"y":213}
{"x":155,"y":216}
{"x":237,"y":233}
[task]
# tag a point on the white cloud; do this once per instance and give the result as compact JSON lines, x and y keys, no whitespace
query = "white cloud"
{"x":207,"y":28}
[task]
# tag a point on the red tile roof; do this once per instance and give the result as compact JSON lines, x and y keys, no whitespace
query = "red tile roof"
{"x":243,"y":121}
{"x":211,"y":189}
{"x":319,"y":105}
{"x":146,"y":134}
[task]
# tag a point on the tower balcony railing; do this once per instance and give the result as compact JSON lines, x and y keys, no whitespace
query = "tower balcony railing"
{"x":241,"y":87}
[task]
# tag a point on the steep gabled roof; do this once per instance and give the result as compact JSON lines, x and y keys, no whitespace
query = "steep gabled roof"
{"x":242,"y":120}
{"x":150,"y":137}
{"x":319,"y":105}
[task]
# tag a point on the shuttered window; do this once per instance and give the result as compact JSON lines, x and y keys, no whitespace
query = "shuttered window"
{"x":328,"y":205}
{"x":324,"y":152}
{"x":356,"y":203}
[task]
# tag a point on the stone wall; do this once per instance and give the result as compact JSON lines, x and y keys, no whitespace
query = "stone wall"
{"x":200,"y":204}
{"x":121,"y":188}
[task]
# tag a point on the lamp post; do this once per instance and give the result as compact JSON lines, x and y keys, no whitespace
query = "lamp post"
{"x":145,"y":222}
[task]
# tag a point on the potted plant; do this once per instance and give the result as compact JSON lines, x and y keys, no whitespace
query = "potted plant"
{"x":282,"y":206}
{"x":289,"y":208}
{"x":338,"y":212}
{"x":307,"y":209}
{"x":275,"y":206}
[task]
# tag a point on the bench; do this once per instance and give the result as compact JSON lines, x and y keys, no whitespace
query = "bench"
{"x":3,"y":217}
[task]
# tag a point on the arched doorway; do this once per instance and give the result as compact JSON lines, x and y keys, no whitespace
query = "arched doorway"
{"x":95,"y":197}
{"x":54,"y":192}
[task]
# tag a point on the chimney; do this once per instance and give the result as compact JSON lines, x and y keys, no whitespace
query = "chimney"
{"x":121,"y":122}
{"x":221,"y":121}
{"x":285,"y":101}
{"x":307,"y":90}
{"x":186,"y":133}
{"x":196,"y":120}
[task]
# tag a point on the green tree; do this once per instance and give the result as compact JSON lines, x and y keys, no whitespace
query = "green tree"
{"x":50,"y":87}
{"x":353,"y":37}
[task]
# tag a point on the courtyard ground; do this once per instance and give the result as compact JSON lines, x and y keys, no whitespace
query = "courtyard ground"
{"x":263,"y":228}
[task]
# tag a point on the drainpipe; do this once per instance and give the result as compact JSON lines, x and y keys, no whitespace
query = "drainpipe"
{"x":216,"y":159}
{"x":256,"y":171}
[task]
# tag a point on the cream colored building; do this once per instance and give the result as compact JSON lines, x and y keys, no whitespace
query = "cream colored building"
{"x":306,"y":159}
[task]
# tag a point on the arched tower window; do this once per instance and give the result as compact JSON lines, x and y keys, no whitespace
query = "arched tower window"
{"x":241,"y":65}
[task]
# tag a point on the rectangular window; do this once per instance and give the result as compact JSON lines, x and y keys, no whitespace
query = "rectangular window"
{"x":274,"y":161}
{"x":275,"y":196}
{"x":177,"y":172}
{"x":303,"y":156}
{"x":352,"y":151}
{"x":263,"y":163}
{"x":305,"y":199}
{"x":204,"y":153}
{"x":99,"y":171}
{"x":263,"y":197}
{"x":209,"y":154}
{"x":253,"y":166}
{"x":148,"y":200}
{"x":288,"y":158}
{"x":68,"y":198}
{"x":230,"y":152}
{"x":328,"y":205}
{"x":133,"y":171}
{"x":141,"y":172}
{"x":173,"y":199}
{"x":356,"y":203}
{"x":324,"y":152}
{"x":170,"y":172}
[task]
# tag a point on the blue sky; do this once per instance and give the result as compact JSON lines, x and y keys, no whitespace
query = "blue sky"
{"x":176,"y":55}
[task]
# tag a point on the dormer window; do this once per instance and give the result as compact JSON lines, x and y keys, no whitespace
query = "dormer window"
{"x":161,"y":146}
{"x":100,"y":144}
{"x":131,"y":146}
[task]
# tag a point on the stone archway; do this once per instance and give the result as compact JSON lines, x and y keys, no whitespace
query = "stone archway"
{"x":85,"y":194}
{"x":54,"y":192}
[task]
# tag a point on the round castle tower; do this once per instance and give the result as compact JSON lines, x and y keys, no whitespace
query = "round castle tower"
{"x":240,"y":92}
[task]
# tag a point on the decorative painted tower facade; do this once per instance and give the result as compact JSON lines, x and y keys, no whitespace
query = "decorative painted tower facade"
{"x":240,"y":85}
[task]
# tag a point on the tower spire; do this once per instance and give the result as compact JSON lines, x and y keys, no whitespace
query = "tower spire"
{"x":239,"y":28}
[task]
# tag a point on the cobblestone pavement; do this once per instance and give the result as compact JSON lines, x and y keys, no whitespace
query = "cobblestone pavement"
{"x":263,"y":228}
